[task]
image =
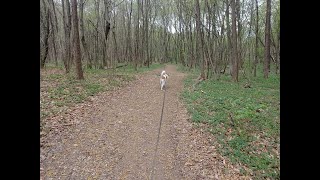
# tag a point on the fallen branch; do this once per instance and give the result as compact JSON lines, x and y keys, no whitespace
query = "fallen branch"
{"x":61,"y":125}
{"x":121,"y":65}
{"x":116,"y":66}
{"x":231,"y":120}
{"x":199,"y":79}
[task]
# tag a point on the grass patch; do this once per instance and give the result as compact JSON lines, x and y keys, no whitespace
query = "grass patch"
{"x":245,"y":121}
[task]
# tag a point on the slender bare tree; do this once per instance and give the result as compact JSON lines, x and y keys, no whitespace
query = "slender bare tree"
{"x":200,"y":40}
{"x":266,"y":67}
{"x":235,"y":66}
{"x":44,"y":40}
{"x":77,"y":54}
{"x":83,"y":40}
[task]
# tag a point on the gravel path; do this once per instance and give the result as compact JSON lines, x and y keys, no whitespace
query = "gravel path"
{"x":114,"y":136}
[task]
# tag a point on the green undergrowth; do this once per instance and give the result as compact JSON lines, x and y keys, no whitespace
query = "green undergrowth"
{"x":244,"y":120}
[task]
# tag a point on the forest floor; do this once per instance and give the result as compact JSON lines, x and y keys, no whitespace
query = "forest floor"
{"x":114,"y":136}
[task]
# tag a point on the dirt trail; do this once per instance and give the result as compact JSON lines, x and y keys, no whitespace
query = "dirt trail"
{"x":117,"y":138}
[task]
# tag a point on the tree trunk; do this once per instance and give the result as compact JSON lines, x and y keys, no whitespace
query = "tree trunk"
{"x":67,"y":33}
{"x":128,"y":44}
{"x":266,"y":67}
{"x":77,"y":54}
{"x":46,"y":30}
{"x":239,"y":38}
{"x":146,"y":26}
{"x":96,"y":57}
{"x":192,"y":61}
{"x":83,"y":41}
{"x":256,"y":43}
{"x":250,"y":44}
{"x":137,"y":36}
{"x":234,"y":43}
{"x":107,"y":22}
{"x":229,"y":38}
{"x":54,"y":25}
{"x":200,"y":40}
{"x":115,"y":55}
{"x":278,"y":55}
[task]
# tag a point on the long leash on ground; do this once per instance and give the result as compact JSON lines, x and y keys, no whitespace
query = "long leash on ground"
{"x":155,"y":154}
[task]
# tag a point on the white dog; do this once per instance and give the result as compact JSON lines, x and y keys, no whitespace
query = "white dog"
{"x":163,"y":79}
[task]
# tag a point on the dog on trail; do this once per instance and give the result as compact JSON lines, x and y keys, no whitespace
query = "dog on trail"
{"x":163,"y":78}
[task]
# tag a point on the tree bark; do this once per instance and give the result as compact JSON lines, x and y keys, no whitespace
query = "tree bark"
{"x":266,"y":67}
{"x":77,"y":54}
{"x":67,"y":33}
{"x":115,"y":55}
{"x":107,"y":23}
{"x":128,"y":41}
{"x":229,"y":38}
{"x":256,"y":43}
{"x":83,"y":41}
{"x":200,"y":40}
{"x":146,"y":29}
{"x":137,"y":36}
{"x":96,"y":53}
{"x":46,"y":30}
{"x":234,"y":43}
{"x":54,"y":25}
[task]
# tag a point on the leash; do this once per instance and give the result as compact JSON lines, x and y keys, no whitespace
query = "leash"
{"x":155,"y":154}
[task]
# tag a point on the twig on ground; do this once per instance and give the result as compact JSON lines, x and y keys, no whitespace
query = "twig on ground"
{"x":69,"y":124}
